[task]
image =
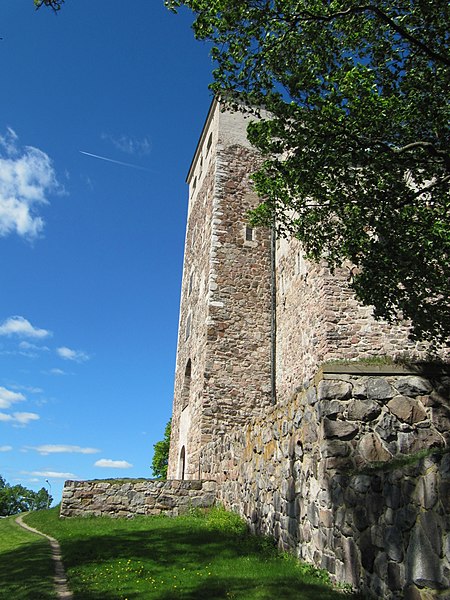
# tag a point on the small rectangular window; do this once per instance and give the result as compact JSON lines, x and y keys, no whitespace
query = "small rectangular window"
{"x":249,"y":234}
{"x":208,"y":145}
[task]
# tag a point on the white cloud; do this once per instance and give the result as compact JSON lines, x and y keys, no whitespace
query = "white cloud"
{"x":57,"y":372}
{"x":28,"y":388}
{"x":76,"y":355}
{"x":26,"y":178}
{"x":20,"y":418}
{"x":33,"y":347}
{"x":129,"y":144}
{"x":112,"y":464}
{"x":5,"y":448}
{"x":62,"y":448}
{"x":21,"y":327}
{"x":53,"y":475}
{"x":7,"y":398}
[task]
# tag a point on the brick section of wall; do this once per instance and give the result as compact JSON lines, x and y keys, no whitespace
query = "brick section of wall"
{"x":127,"y":498}
{"x":306,"y":475}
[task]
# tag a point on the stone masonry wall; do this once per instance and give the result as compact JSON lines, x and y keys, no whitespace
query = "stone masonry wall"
{"x":223,"y":354}
{"x":320,"y":320}
{"x":127,"y":498}
{"x":353,"y":475}
{"x":188,"y":394}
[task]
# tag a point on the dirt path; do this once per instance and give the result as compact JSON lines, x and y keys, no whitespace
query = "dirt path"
{"x":62,"y":589}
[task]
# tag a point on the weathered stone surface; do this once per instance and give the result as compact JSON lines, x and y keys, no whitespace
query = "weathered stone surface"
{"x":372,"y":449}
{"x":149,"y":497}
{"x":315,"y":502}
{"x":393,"y":544}
{"x":379,"y":389}
{"x":333,"y":390}
{"x":360,"y":410}
{"x":395,"y":576}
{"x":387,"y":427}
{"x":413,"y":386}
{"x":338,"y":429}
{"x":423,"y":566}
{"x":361,"y":483}
{"x":352,"y":562}
{"x":441,"y":420}
{"x":407,"y":409}
{"x":426,"y":438}
{"x":427,"y":489}
{"x":330,"y":408}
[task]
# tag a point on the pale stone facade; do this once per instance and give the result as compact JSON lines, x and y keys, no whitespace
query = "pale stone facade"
{"x":132,"y":497}
{"x":313,"y":464}
{"x":223,"y":359}
{"x":225,"y":347}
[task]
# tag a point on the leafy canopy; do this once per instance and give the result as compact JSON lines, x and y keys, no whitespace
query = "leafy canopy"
{"x":161,"y":454}
{"x":357,"y":162}
{"x":17,"y":498}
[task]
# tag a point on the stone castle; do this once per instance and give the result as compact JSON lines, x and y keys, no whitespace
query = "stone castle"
{"x":280,"y":400}
{"x":288,"y":407}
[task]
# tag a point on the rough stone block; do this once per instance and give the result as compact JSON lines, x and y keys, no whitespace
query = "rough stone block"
{"x":427,"y":489}
{"x":338,"y":429}
{"x":423,"y":566}
{"x":407,"y":409}
{"x":372,"y":449}
{"x":360,"y":410}
{"x":333,"y":390}
{"x":413,"y":386}
{"x":379,"y":389}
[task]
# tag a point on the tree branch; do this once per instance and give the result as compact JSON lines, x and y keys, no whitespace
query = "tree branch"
{"x":433,"y":184}
{"x":384,"y":17}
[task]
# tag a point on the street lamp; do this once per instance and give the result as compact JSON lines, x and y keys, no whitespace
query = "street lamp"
{"x":49,"y":493}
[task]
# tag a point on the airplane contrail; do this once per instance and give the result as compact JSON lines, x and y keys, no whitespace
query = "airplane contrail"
{"x":117,"y":162}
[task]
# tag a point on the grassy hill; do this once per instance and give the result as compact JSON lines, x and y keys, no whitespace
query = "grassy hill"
{"x":201,"y":556}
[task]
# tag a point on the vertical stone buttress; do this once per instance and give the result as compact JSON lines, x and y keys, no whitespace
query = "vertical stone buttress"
{"x":222,"y":376}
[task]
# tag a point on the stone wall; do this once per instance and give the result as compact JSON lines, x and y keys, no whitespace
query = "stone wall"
{"x":320,"y":320}
{"x":126,"y":498}
{"x":353,"y":475}
{"x":223,"y":354}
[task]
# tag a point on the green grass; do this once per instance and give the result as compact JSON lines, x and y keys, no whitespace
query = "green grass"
{"x":26,"y":569}
{"x":190,"y":558}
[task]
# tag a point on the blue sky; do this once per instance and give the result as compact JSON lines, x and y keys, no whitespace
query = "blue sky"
{"x":91,"y":250}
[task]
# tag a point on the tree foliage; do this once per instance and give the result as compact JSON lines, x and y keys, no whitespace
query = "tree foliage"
{"x":17,"y":498}
{"x":357,"y":143}
{"x":53,"y":4}
{"x":161,"y":454}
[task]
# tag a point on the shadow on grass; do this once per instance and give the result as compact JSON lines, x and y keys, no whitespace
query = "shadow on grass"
{"x":240,"y":568}
{"x":27,"y":572}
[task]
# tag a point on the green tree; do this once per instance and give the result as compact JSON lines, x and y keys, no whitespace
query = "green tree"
{"x":17,"y":498}
{"x":356,"y":147}
{"x":161,"y":454}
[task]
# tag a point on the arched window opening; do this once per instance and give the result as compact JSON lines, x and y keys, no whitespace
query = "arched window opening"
{"x":182,"y":463}
{"x":186,"y":391}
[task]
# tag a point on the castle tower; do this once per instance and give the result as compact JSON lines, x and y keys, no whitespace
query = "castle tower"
{"x":254,"y":320}
{"x":223,"y":368}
